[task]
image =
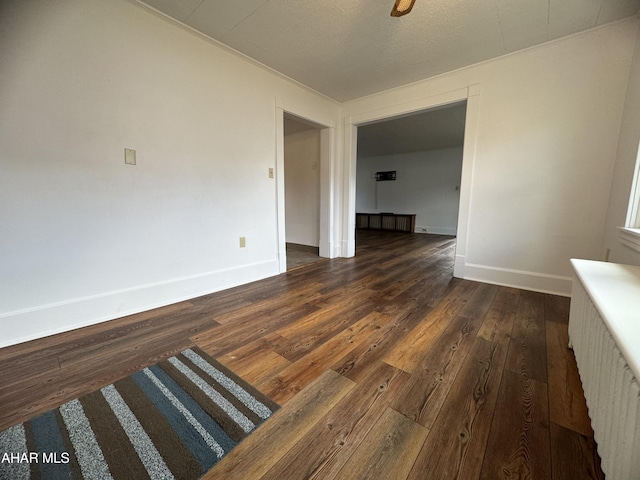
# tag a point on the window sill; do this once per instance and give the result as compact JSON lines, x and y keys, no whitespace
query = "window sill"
{"x":630,"y":237}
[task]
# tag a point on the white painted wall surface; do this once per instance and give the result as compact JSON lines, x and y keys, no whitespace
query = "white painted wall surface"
{"x":425,"y":185}
{"x":548,"y":120}
{"x":86,"y":238}
{"x":627,"y":154}
{"x":302,"y":187}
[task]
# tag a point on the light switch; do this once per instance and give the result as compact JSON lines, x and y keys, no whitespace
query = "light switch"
{"x":271,"y":173}
{"x":243,"y":242}
{"x":129,"y":156}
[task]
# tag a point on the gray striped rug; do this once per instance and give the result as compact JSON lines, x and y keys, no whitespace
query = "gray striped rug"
{"x":175,"y":419}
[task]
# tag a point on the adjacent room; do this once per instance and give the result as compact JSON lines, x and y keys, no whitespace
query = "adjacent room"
{"x":189,"y":286}
{"x":422,"y":154}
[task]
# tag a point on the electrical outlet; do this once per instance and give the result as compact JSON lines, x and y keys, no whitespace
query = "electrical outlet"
{"x":243,"y":242}
{"x":129,"y":156}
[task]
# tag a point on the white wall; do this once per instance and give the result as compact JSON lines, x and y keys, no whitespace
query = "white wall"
{"x":541,"y":160}
{"x":302,"y":187}
{"x":624,"y":169}
{"x":426,"y":184}
{"x":86,"y":238}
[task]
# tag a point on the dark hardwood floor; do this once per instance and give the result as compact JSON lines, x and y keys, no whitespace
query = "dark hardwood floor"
{"x":385,"y":365}
{"x":301,"y":255}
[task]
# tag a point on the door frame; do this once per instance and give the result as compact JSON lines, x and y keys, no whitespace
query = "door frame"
{"x":471,"y":95}
{"x":327,"y":183}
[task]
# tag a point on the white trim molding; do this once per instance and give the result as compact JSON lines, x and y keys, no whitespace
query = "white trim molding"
{"x":630,"y":237}
{"x":470,"y":94}
{"x":537,"y":282}
{"x":633,"y":211}
{"x":328,"y":180}
{"x":436,"y":230}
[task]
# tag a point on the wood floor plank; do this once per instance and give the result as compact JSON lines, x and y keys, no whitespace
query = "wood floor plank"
{"x":573,"y":456}
{"x":410,"y":351}
{"x":219,"y":303}
{"x":253,"y":457}
{"x":556,"y":309}
{"x":441,"y":290}
{"x":425,"y":295}
{"x":567,"y":405}
{"x":324,"y":450}
{"x":479,"y":303}
{"x":519,"y":440}
{"x":388,"y":450}
{"x":357,"y":363}
{"x":425,"y":393}
{"x":301,"y":255}
{"x":221,"y":340}
{"x":302,"y":372}
{"x":527,"y":348}
{"x":433,"y":262}
{"x":255,"y":362}
{"x":289,"y":297}
{"x":333,"y":305}
{"x":498,"y":323}
{"x":48,"y":351}
{"x":177,"y":329}
{"x":311,"y":335}
{"x":436,"y":284}
{"x":457,"y":441}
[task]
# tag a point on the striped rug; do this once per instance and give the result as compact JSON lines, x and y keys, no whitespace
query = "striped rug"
{"x":175,"y":419}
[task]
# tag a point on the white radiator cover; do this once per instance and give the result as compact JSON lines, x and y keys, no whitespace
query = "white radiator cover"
{"x":604,"y":332}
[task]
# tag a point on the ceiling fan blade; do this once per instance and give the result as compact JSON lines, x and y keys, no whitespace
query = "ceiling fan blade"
{"x":402,"y":7}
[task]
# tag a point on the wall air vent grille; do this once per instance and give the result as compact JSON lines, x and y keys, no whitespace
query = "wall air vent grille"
{"x":385,"y":176}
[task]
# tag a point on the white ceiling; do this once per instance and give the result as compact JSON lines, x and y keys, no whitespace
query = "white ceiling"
{"x":441,"y":127}
{"x":346,"y":49}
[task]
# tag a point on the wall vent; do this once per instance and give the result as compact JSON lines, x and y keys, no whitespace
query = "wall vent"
{"x":385,"y":176}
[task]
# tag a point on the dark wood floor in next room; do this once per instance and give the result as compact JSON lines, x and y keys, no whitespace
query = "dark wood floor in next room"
{"x":385,"y":365}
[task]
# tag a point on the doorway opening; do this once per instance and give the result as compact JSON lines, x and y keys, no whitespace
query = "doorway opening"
{"x":469,"y":94}
{"x":409,"y":170}
{"x":302,"y":199}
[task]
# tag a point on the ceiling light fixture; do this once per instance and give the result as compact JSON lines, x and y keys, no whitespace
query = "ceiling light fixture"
{"x":402,"y":7}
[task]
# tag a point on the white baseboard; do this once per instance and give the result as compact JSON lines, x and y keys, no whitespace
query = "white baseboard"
{"x":536,"y":282}
{"x":342,"y":250}
{"x":436,"y":230}
{"x":42,"y":321}
{"x":329,"y":251}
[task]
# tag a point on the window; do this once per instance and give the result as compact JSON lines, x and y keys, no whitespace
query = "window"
{"x":630,"y":233}
{"x":633,"y":214}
